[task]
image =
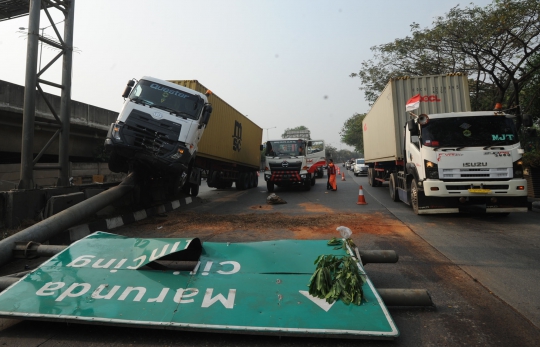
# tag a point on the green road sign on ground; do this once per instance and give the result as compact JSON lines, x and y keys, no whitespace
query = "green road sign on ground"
{"x":256,"y":287}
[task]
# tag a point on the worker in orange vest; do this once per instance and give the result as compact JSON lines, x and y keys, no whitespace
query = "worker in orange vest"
{"x":332,"y":174}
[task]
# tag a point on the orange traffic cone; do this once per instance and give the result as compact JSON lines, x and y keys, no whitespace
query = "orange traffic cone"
{"x":338,"y":170}
{"x":343,"y":176}
{"x":361,"y":200}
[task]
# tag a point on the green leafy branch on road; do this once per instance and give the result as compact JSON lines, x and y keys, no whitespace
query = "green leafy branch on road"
{"x":338,"y":277}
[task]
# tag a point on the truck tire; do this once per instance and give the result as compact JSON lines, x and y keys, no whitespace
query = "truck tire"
{"x":392,"y":187}
{"x":307,"y":184}
{"x":414,"y":196}
{"x":194,"y":189}
{"x":213,"y":180}
{"x":371,"y":177}
{"x":117,"y":164}
{"x":186,"y":189}
{"x":249,"y":180}
{"x":269,"y":186}
{"x":255,"y":179}
{"x":313,"y":181}
{"x":242,"y":183}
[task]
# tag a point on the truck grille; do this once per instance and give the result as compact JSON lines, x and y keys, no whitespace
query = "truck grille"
{"x":286,"y":166}
{"x":158,"y":136}
{"x":496,"y":173}
{"x":286,"y":176}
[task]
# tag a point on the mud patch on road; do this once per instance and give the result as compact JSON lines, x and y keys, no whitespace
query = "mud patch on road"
{"x":262,"y":207}
{"x":302,"y":227}
{"x":312,"y":207}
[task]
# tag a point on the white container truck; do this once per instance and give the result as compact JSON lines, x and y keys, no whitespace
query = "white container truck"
{"x":293,"y":162}
{"x":159,"y":133}
{"x":443,"y":158}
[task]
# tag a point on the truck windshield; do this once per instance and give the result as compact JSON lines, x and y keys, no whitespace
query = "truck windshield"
{"x":172,"y":100}
{"x":469,"y":132}
{"x":285,"y":147}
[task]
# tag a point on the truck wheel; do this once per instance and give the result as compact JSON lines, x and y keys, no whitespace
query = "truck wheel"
{"x":269,"y":186}
{"x":307,"y":184}
{"x":255,"y":180}
{"x":213,"y":180}
{"x":392,"y":187}
{"x":249,"y":180}
{"x":117,"y":163}
{"x":194,"y":189}
{"x":371,"y":178}
{"x":242,"y":183}
{"x":414,"y":196}
{"x":313,"y":181}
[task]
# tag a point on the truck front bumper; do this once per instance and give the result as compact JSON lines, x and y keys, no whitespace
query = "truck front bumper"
{"x":284,"y":178}
{"x":155,"y":156}
{"x":471,"y":196}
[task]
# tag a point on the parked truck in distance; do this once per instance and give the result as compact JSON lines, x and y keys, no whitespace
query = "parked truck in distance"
{"x":159,"y":132}
{"x":293,"y":162}
{"x":443,"y":158}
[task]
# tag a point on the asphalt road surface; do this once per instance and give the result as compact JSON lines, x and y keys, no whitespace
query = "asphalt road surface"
{"x":482,"y":272}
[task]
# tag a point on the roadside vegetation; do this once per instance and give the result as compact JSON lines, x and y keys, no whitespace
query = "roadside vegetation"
{"x":497,"y":47}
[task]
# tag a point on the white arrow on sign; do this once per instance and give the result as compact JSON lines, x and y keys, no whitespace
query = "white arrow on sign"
{"x":319,"y":302}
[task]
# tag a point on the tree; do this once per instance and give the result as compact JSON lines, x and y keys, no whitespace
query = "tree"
{"x":351,"y":132}
{"x":495,"y":46}
{"x":331,"y":152}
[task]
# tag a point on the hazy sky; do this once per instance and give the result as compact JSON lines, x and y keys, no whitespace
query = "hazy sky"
{"x":283,"y":63}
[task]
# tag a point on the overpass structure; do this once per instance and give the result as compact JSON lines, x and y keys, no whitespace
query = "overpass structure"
{"x":88,"y":123}
{"x":88,"y":128}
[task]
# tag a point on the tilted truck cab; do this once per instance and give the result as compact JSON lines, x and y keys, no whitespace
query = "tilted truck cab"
{"x":158,"y":128}
{"x":293,"y":162}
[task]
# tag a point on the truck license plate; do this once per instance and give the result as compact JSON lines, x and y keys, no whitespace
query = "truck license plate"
{"x":479,"y":191}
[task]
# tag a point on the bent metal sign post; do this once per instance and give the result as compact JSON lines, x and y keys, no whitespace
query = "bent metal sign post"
{"x":258,"y":287}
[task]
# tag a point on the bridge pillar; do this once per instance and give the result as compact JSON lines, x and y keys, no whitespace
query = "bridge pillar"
{"x":29,"y":108}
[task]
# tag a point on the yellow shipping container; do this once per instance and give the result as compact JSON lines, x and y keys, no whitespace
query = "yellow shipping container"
{"x":230,"y":136}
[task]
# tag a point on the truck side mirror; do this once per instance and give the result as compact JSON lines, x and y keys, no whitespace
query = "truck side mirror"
{"x":412,"y":127}
{"x":531,"y":132}
{"x":526,"y":120}
{"x":129,"y":86}
{"x":126,"y":92}
{"x":206,"y":115}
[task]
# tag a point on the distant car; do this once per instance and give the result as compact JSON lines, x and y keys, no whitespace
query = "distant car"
{"x":360,"y":168}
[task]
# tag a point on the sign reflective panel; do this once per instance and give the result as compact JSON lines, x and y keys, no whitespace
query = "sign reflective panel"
{"x":257,"y":287}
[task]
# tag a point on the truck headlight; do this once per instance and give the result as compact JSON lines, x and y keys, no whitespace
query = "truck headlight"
{"x":432,"y":169}
{"x":518,"y":169}
{"x":116,"y":133}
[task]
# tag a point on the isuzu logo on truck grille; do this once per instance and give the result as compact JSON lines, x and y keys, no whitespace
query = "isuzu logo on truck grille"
{"x":285,"y":164}
{"x":474,"y":164}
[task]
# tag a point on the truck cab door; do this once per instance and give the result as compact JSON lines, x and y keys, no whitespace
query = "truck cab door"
{"x":414,"y":159}
{"x":315,"y":153}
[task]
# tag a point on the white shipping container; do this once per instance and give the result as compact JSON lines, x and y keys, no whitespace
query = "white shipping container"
{"x":384,"y":125}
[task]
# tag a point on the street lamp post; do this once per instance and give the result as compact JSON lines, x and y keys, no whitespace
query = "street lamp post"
{"x":267,"y":137}
{"x":41,"y":43}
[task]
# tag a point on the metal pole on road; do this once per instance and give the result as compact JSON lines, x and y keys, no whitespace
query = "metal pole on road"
{"x":51,"y":226}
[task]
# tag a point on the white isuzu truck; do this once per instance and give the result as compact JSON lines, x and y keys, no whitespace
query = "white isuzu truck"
{"x":443,"y":158}
{"x":290,"y":162}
